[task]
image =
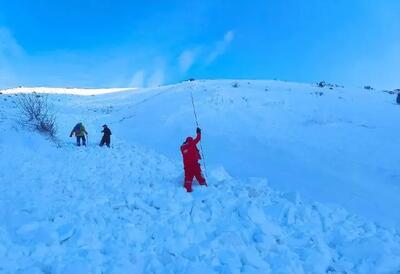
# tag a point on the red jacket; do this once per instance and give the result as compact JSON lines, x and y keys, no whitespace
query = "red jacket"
{"x":189,"y":150}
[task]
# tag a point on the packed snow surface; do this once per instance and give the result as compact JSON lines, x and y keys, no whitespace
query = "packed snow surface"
{"x":301,"y":179}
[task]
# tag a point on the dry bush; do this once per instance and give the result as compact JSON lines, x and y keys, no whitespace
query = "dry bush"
{"x":36,"y":111}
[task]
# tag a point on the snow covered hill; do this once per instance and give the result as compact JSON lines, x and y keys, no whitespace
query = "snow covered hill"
{"x":301,"y":179}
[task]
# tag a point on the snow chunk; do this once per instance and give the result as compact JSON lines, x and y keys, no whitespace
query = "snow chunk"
{"x":220,"y":174}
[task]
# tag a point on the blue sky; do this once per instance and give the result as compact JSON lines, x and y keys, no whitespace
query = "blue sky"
{"x":148,"y":43}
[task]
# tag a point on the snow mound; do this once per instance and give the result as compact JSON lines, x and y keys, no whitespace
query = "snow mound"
{"x":124,"y":210}
{"x":219,"y":174}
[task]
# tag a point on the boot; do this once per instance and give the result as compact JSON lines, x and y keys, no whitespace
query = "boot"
{"x":188,"y":187}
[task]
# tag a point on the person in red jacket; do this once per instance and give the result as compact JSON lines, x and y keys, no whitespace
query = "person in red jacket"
{"x":191,"y":157}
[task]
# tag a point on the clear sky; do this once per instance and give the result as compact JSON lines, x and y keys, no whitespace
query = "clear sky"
{"x":147,"y":43}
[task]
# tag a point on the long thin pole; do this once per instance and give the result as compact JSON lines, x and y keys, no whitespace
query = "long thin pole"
{"x":194,"y":110}
{"x":201,"y":147}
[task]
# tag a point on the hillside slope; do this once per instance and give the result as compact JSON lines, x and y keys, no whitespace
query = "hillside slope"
{"x":302,"y":138}
{"x":92,"y":210}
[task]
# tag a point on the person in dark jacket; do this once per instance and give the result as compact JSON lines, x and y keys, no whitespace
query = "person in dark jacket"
{"x":106,"y":139}
{"x":191,"y":157}
{"x":80,"y":132}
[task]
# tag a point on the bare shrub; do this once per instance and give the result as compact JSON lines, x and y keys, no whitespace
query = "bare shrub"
{"x":36,"y":111}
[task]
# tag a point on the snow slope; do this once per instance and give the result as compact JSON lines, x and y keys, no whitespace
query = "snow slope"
{"x":329,"y":205}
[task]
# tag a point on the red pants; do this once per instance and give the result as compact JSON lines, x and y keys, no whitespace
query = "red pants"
{"x":193,"y":170}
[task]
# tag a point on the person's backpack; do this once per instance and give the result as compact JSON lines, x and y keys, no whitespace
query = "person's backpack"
{"x":77,"y":128}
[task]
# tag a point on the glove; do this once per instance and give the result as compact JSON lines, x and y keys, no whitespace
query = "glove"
{"x":70,"y":135}
{"x":198,"y":130}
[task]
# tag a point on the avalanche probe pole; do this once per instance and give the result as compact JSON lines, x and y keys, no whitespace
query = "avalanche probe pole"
{"x":197,"y":124}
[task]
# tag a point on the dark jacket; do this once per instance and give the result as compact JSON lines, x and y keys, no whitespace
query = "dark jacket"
{"x":106,"y":132}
